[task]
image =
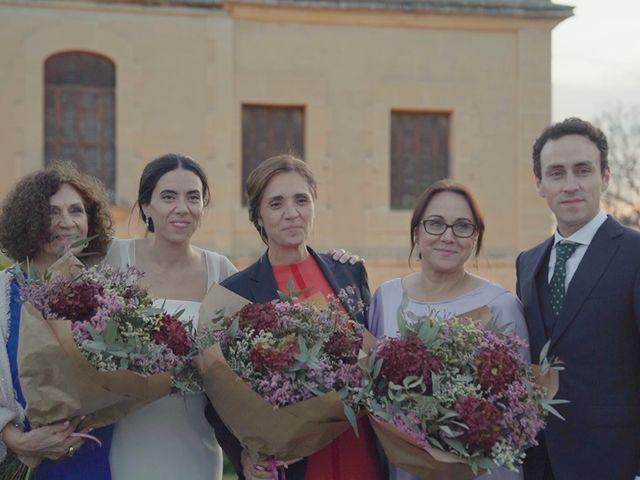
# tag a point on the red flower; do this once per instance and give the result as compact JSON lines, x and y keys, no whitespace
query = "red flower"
{"x":344,"y":345}
{"x":403,"y":357}
{"x":274,"y":357}
{"x":172,"y":333}
{"x":496,"y":369}
{"x":76,"y":300}
{"x":483,"y":419}
{"x":260,"y":316}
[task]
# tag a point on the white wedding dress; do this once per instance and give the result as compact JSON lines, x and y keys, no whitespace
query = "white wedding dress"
{"x":170,"y":438}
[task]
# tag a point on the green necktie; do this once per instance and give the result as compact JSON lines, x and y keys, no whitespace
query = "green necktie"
{"x":563,"y":253}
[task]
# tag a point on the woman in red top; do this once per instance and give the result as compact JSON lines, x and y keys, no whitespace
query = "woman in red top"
{"x":282,"y":192}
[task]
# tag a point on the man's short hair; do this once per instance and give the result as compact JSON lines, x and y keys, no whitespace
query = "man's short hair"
{"x":571,"y":126}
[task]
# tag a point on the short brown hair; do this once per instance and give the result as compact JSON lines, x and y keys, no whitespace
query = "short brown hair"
{"x":446,"y":186}
{"x":571,"y":126}
{"x":260,"y":177}
{"x":25,"y":222}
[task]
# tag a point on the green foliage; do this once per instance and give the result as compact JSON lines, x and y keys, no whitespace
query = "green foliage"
{"x":4,"y":262}
{"x":12,"y":468}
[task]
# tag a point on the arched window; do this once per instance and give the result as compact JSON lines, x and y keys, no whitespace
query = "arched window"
{"x":80,"y":113}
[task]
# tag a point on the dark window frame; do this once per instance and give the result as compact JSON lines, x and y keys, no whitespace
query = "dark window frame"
{"x":419,"y":153}
{"x":80,"y":113}
{"x":265,"y":133}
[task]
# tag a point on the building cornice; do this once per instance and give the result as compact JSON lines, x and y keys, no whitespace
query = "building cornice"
{"x":534,"y":8}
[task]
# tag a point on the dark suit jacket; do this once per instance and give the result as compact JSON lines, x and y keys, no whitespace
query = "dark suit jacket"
{"x":597,"y":336}
{"x":257,"y":283}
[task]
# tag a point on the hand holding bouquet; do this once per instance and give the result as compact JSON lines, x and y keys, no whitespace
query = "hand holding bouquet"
{"x":451,"y":397}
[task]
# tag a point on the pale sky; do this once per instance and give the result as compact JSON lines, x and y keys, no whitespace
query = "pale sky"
{"x":596,"y":58}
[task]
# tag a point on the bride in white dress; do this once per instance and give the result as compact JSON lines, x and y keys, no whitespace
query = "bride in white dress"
{"x":170,"y":438}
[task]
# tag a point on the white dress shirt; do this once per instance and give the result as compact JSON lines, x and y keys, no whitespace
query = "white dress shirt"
{"x":583,"y":237}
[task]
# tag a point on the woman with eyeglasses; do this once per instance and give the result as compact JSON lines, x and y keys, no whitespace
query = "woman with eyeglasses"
{"x":446,"y":228}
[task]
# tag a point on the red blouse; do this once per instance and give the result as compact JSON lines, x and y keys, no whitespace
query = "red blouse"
{"x":348,"y":457}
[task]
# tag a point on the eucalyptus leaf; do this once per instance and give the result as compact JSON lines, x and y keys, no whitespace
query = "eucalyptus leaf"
{"x":434,"y":442}
{"x":94,"y":333}
{"x":456,"y":445}
{"x":233,"y":329}
{"x":351,"y":416}
{"x":485,"y":463}
{"x":315,"y":350}
{"x":94,"y":346}
{"x":376,"y":368}
{"x":552,"y":410}
{"x":544,"y":351}
{"x":110,"y":333}
{"x":302,"y":345}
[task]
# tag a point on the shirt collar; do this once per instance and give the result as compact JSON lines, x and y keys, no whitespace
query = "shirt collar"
{"x":585,"y":234}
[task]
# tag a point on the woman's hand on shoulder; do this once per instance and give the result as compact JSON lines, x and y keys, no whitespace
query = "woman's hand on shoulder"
{"x":343,"y":256}
{"x":52,"y":441}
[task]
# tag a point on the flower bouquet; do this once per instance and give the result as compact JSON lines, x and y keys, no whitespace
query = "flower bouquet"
{"x":92,"y":344}
{"x":283,"y":377}
{"x":451,"y":397}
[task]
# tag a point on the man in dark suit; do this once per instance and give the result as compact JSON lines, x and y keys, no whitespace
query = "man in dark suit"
{"x":581,"y":292}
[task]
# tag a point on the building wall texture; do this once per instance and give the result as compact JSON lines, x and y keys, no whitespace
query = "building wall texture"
{"x":183,"y":73}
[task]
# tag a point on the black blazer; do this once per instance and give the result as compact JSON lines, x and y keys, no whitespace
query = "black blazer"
{"x":257,"y":284}
{"x":597,"y":336}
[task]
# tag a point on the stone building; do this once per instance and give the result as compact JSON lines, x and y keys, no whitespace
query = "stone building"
{"x":379,"y":97}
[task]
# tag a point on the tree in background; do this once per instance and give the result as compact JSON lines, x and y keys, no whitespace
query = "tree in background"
{"x":622,"y":127}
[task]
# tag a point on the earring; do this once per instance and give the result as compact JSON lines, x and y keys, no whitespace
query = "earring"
{"x":147,"y":222}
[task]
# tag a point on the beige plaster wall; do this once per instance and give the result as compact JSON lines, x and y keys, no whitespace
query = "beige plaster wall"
{"x":183,"y":74}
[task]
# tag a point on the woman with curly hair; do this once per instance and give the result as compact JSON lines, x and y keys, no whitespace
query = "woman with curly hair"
{"x":40,"y":219}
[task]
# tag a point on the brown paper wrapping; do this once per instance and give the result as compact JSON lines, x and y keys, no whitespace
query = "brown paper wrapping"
{"x":59,"y":383}
{"x":429,"y":464}
{"x":284,"y":433}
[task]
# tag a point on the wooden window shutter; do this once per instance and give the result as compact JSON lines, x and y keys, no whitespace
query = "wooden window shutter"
{"x":80,"y":112}
{"x":269,"y":131}
{"x":419,"y":154}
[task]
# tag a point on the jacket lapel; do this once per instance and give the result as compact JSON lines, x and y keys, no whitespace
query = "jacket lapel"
{"x":337,"y":280}
{"x":530,"y":293}
{"x":328,"y":269}
{"x":592,"y":266}
{"x":262,"y":282}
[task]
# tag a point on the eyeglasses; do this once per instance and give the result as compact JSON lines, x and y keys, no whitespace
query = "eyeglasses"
{"x":459,"y":229}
